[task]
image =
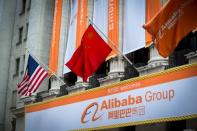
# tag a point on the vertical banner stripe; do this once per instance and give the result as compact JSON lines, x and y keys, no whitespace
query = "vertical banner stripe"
{"x":71,"y":41}
{"x":152,"y":7}
{"x":113,"y":24}
{"x":100,"y":17}
{"x":81,"y":21}
{"x":54,"y":50}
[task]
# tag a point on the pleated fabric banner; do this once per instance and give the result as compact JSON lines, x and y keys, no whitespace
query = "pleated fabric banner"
{"x":54,"y":49}
{"x":100,"y":16}
{"x":78,"y":24}
{"x":134,"y":18}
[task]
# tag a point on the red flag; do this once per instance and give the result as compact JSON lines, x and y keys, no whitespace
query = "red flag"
{"x":173,"y":22}
{"x":91,"y":53}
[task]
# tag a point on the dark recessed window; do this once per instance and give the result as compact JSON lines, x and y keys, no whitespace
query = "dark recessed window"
{"x":70,"y":78}
{"x":13,"y":123}
{"x":186,"y":45}
{"x":23,"y":5}
{"x":17,"y":65}
{"x":20,"y":35}
{"x":139,"y":58}
{"x":29,"y":5}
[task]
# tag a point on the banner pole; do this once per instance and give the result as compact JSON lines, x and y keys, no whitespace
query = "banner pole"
{"x":112,"y":44}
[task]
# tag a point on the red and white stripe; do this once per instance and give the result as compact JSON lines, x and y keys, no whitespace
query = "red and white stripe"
{"x":30,"y":85}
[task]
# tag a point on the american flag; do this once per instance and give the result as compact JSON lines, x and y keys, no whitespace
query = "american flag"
{"x":33,"y":77}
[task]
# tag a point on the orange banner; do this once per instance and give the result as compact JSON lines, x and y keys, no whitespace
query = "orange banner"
{"x":152,"y":7}
{"x":81,"y":21}
{"x":113,"y":30}
{"x":173,"y":22}
{"x":54,"y":49}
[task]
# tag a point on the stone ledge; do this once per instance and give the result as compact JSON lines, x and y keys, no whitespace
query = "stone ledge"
{"x":192,"y":57}
{"x":111,"y":78}
{"x":152,"y":68}
{"x":18,"y":112}
{"x":78,"y":87}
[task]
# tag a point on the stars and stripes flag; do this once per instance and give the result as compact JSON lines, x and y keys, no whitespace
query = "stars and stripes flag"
{"x":33,"y":77}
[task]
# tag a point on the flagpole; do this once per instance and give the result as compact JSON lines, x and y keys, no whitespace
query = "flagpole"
{"x":46,"y":67}
{"x":112,"y":44}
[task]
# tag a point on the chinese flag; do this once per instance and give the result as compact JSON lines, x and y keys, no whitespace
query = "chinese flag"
{"x":172,"y":23}
{"x":91,"y":53}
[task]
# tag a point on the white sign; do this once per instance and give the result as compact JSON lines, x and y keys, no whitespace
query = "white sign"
{"x":129,"y":102}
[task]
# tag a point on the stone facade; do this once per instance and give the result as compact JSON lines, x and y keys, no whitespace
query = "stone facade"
{"x":7,"y":21}
{"x":25,"y":24}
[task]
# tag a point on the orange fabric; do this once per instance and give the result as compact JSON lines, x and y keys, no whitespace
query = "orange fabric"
{"x":142,"y":83}
{"x":54,"y":49}
{"x":89,"y":55}
{"x":81,"y":21}
{"x":173,"y":22}
{"x":152,"y":7}
{"x":113,"y":32}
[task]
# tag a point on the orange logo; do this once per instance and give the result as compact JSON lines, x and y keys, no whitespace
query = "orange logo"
{"x":88,"y":112}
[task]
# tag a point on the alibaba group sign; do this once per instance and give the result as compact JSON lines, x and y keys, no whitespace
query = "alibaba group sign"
{"x":90,"y":113}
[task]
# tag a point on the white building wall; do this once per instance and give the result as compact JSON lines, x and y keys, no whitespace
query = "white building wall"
{"x":39,"y":18}
{"x":7,"y":11}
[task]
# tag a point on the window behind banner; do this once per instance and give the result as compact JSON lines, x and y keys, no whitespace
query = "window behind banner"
{"x":187,"y":45}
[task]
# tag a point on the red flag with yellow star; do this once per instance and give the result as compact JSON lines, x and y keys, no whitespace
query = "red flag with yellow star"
{"x":91,"y":53}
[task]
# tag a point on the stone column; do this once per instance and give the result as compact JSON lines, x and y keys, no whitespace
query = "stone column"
{"x":156,"y":62}
{"x":116,"y":71}
{"x":55,"y":86}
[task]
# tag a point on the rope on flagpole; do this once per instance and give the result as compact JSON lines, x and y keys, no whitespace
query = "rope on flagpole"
{"x":112,"y":44}
{"x":46,"y":67}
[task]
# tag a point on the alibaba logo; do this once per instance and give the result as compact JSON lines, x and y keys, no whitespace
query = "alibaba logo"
{"x":92,"y":109}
